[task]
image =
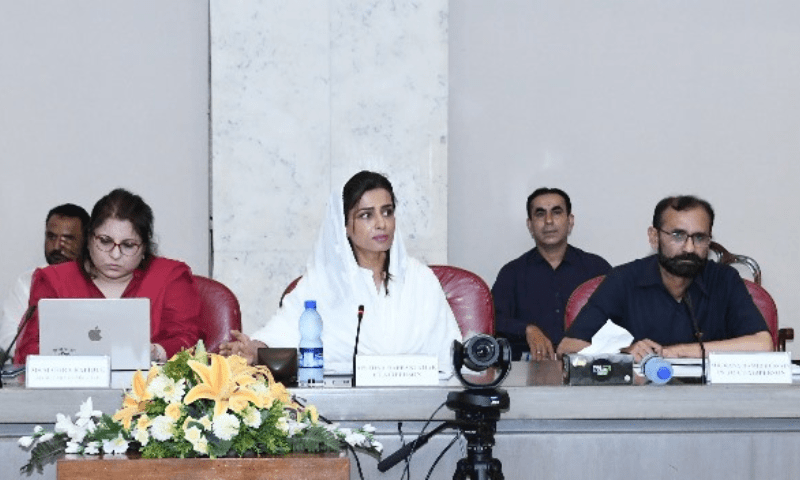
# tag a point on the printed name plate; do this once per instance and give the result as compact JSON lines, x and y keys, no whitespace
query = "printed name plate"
{"x":67,"y":371}
{"x":747,"y":367}
{"x":396,"y":370}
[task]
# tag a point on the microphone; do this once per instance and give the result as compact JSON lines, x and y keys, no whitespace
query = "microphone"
{"x":698,"y":335}
{"x":656,"y":369}
{"x":5,"y":354}
{"x":355,"y":348}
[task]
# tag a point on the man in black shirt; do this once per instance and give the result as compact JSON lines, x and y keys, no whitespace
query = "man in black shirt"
{"x":664,"y":299}
{"x":530,"y":292}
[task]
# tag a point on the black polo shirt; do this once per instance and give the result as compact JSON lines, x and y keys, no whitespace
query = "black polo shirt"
{"x":634,"y":297}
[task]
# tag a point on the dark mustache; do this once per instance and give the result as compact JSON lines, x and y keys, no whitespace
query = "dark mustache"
{"x":692,"y":257}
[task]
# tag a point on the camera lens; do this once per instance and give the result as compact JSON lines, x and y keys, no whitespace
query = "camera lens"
{"x":481,"y":352}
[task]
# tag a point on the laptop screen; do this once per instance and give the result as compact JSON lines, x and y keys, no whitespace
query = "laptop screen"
{"x":119,"y":328}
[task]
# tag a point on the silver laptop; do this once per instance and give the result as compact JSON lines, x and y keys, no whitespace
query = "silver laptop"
{"x":119,"y":328}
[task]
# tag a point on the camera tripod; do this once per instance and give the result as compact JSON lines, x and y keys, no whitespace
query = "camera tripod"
{"x":477,"y":412}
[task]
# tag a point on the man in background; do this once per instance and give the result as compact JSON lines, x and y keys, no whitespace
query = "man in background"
{"x":531,"y":292}
{"x":669,"y":300}
{"x":63,"y":241}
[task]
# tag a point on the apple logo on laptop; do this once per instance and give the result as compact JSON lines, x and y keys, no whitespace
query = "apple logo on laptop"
{"x":94,"y":334}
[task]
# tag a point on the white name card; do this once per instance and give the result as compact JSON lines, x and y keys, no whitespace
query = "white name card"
{"x":746,"y":367}
{"x":67,"y":371}
{"x":396,"y":370}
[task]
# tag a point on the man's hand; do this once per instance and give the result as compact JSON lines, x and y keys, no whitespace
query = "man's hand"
{"x":541,"y":346}
{"x":643,"y":348}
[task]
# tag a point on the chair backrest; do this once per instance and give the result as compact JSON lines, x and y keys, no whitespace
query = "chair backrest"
{"x":469,"y":297}
{"x":219,"y":312}
{"x":578,"y":299}
{"x":727,"y":258}
{"x":766,"y":305}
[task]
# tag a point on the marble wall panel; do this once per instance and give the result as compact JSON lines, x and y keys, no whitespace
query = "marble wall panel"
{"x":305,"y":94}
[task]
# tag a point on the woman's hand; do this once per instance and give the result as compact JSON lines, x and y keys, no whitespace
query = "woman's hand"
{"x":243,"y":346}
{"x":157,"y":353}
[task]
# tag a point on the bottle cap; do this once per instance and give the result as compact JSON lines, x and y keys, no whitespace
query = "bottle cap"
{"x":311,"y":304}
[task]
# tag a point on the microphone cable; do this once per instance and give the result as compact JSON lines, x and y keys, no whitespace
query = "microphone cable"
{"x":406,"y":470}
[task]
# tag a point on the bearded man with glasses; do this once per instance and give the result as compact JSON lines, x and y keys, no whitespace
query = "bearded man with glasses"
{"x":667,"y":299}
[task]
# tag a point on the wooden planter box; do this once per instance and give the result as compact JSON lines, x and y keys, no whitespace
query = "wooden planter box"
{"x":335,"y":466}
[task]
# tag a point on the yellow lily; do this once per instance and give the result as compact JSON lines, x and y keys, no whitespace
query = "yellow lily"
{"x":217,"y":384}
{"x":136,"y":399}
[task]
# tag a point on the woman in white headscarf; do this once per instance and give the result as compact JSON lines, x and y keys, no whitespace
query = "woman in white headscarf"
{"x":360,"y":259}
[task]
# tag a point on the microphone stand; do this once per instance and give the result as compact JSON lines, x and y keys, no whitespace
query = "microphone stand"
{"x":5,"y":355}
{"x":698,"y":335}
{"x":355,"y":348}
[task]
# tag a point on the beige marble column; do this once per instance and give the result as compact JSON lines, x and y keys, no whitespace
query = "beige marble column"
{"x":304,"y":95}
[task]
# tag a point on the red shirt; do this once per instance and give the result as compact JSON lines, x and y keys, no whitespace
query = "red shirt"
{"x":174,"y":301}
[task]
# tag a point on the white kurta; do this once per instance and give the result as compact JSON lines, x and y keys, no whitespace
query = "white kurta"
{"x":14,"y":308}
{"x":414,"y":318}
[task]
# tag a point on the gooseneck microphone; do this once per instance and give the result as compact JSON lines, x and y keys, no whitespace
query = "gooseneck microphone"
{"x":4,"y":354}
{"x":698,"y":335}
{"x":355,"y":348}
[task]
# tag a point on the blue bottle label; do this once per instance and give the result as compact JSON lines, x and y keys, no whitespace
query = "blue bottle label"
{"x":311,"y":358}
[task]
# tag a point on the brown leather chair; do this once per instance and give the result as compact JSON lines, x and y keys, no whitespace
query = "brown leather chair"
{"x":219,"y":312}
{"x":762,"y":299}
{"x":766,"y":305}
{"x":469,"y":297}
{"x":578,"y":299}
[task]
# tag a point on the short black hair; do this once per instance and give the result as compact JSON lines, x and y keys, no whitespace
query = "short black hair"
{"x":70,"y":210}
{"x":680,"y":203}
{"x":544,"y":191}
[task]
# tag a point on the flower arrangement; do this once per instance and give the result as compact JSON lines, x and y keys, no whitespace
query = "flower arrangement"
{"x":197,"y":405}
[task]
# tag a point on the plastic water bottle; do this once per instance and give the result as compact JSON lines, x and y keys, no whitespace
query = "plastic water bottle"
{"x":310,"y":362}
{"x":656,"y":369}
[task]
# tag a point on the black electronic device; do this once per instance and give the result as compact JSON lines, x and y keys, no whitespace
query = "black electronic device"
{"x":477,"y":410}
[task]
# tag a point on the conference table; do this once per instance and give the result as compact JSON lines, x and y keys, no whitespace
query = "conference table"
{"x":550,"y":430}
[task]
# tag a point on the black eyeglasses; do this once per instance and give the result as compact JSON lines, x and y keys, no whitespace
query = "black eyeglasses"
{"x":126,"y":247}
{"x":679,"y":237}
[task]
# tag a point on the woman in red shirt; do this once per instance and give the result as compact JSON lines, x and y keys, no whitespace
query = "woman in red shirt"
{"x":119,"y":260}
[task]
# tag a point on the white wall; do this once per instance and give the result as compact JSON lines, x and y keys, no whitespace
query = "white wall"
{"x":96,"y":94}
{"x":622,"y":103}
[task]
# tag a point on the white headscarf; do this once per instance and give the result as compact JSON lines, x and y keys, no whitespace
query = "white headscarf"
{"x":413,"y":318}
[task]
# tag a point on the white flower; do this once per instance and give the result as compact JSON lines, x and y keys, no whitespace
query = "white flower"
{"x":295,"y":427}
{"x":283,"y":425}
{"x":225,"y":426}
{"x":38,"y":429}
{"x":193,"y":435}
{"x":141,"y":436}
{"x":25,"y":442}
{"x":368,"y":428}
{"x":117,"y":445}
{"x":88,"y":411}
{"x":164,"y":387}
{"x":46,"y":437}
{"x":92,"y":448}
{"x":78,"y":433}
{"x":63,"y":424}
{"x":73,"y":447}
{"x":205,"y":422}
{"x":201,"y":446}
{"x":161,"y":428}
{"x":378,"y":446}
{"x":251,"y":417}
{"x":355,"y":439}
